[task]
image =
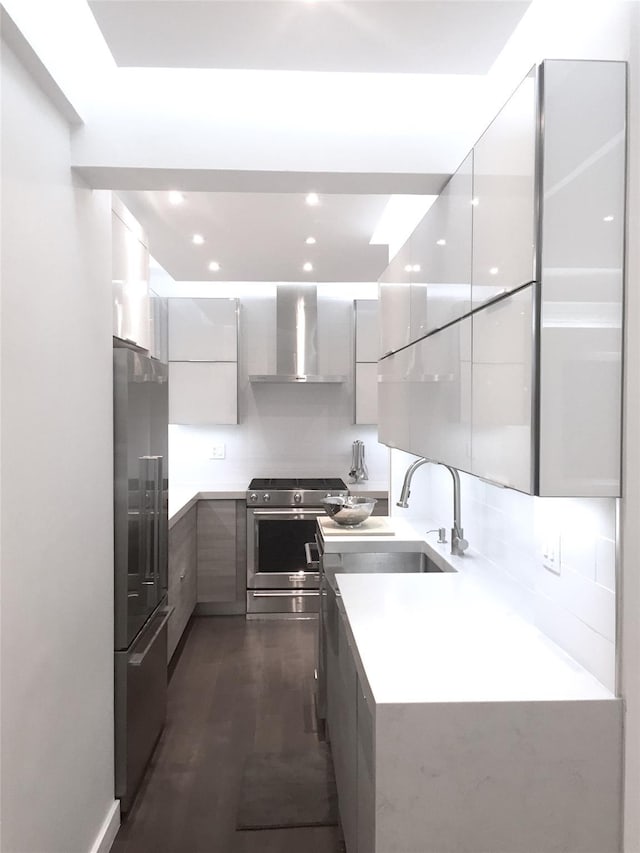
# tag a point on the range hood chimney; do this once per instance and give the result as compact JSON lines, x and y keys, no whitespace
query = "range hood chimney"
{"x":297,"y":336}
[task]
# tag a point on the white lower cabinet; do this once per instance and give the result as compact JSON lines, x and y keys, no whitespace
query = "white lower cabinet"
{"x":182,"y":577}
{"x":203,"y":392}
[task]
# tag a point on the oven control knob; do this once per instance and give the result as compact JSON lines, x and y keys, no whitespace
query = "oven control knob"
{"x":266,"y":497}
{"x":297,"y":498}
{"x":253,"y":498}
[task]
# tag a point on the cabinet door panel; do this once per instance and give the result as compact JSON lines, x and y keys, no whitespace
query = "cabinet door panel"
{"x":367,"y":330}
{"x":441,"y":257}
{"x":346,"y":777}
{"x":217,"y":561}
{"x":366,"y":776}
{"x":367,"y":393}
{"x":395,"y":305}
{"x":394,"y":400}
{"x":502,"y":391}
{"x":202,"y":329}
{"x":504,"y":198}
{"x":582,"y":278}
{"x":159,"y":327}
{"x":130,"y":279}
{"x":440,"y":394}
{"x":182,"y":577}
{"x":203,"y":393}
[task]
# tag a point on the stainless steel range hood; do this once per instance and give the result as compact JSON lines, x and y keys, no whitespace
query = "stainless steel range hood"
{"x":297,"y":337}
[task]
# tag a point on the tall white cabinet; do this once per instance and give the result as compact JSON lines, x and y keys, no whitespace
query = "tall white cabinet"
{"x":366,"y":347}
{"x":514,"y":373}
{"x":203,"y":361}
{"x":130,"y":277}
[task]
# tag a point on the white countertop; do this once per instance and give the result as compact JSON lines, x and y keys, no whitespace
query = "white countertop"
{"x":183,"y":497}
{"x":443,"y":638}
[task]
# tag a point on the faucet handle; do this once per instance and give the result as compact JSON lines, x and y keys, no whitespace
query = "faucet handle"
{"x":458,"y":543}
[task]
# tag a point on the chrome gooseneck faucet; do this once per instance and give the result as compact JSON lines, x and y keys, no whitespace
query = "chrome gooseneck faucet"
{"x":458,"y":543}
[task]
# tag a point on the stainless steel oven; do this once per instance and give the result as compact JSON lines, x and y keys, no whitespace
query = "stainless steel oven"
{"x":282,"y":568}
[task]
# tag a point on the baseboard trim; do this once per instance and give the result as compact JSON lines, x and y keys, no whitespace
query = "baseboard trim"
{"x":108,"y":830}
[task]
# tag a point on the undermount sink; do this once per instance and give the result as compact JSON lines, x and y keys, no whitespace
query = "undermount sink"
{"x":387,"y":562}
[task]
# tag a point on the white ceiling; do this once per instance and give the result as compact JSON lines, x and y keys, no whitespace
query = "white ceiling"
{"x":259,"y":236}
{"x":406,"y":36}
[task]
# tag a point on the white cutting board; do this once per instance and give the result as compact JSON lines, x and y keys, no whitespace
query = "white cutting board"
{"x":373,"y":526}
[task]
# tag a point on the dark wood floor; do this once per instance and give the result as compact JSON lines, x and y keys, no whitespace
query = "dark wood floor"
{"x":239,"y":686}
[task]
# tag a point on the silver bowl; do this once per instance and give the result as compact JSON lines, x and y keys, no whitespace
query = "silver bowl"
{"x":349,"y":511}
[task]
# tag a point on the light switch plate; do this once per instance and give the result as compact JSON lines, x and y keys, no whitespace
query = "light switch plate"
{"x":217,"y":451}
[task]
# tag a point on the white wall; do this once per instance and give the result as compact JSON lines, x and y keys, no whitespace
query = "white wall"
{"x":56,"y":499}
{"x":285,"y":429}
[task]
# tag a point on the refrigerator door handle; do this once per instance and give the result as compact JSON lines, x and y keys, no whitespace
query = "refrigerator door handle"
{"x":156,"y":513}
{"x":138,"y":658}
{"x":151,"y":501}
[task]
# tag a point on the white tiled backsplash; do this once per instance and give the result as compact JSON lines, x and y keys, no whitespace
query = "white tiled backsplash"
{"x":576,"y":607}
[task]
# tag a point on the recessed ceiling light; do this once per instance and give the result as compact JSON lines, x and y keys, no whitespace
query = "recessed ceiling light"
{"x":441,"y":242}
{"x":407,"y":267}
{"x":307,"y":266}
{"x":312,"y":199}
{"x":416,"y":268}
{"x":475,"y":202}
{"x":494,"y":271}
{"x":197,"y":239}
{"x":175,"y":197}
{"x":608,"y":218}
{"x":310,"y":241}
{"x":214,"y":266}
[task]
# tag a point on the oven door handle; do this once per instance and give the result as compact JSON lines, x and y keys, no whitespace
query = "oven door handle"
{"x":312,"y":565}
{"x":286,"y":513}
{"x":281,"y":593}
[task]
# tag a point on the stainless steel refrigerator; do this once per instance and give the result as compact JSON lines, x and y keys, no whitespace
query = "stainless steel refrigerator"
{"x":140,"y":414}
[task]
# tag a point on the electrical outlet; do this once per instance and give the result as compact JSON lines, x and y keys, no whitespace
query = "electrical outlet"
{"x":217,"y":451}
{"x":551,"y":555}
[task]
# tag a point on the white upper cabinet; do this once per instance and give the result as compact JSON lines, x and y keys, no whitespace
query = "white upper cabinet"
{"x":367,"y":330}
{"x":502,"y":391}
{"x":203,"y":361}
{"x":440,"y":396}
{"x":367,"y":343}
{"x":441,"y":256}
{"x":130,"y":277}
{"x":159,"y":328}
{"x":394,"y":399}
{"x":583,"y":212}
{"x":203,"y":392}
{"x":203,"y":329}
{"x":548,"y":225}
{"x":504,"y":209}
{"x":395,"y":302}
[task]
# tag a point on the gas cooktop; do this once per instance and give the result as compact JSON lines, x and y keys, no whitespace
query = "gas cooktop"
{"x":294,"y":491}
{"x":309,"y":483}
